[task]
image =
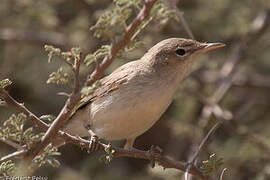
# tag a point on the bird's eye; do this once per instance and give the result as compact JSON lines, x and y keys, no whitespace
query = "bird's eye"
{"x":180,"y":52}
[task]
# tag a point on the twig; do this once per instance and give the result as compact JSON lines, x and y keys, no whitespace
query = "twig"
{"x":180,"y":17}
{"x":131,"y":29}
{"x":65,"y":113}
{"x":222,"y":173}
{"x":228,"y":71}
{"x":164,"y":161}
{"x":10,"y":102}
{"x":11,"y":143}
{"x":212,"y":130}
{"x":17,"y":154}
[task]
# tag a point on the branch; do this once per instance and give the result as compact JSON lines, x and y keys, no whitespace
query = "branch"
{"x":10,"y":102}
{"x":212,"y":130}
{"x":131,"y":29}
{"x":16,"y":154}
{"x":11,"y":143}
{"x":164,"y":161}
{"x":65,"y":113}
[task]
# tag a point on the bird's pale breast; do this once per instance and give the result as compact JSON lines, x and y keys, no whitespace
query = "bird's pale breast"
{"x":128,"y":111}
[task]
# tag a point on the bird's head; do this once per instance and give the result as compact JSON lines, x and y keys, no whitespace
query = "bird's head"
{"x":178,"y":51}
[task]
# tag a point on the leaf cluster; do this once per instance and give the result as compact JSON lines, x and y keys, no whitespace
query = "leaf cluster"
{"x":113,"y":22}
{"x":48,"y":157}
{"x":13,"y":129}
{"x":58,"y":77}
{"x":61,"y":76}
{"x":98,"y":54}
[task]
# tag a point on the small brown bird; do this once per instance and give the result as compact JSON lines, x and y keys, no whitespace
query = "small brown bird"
{"x":133,"y":97}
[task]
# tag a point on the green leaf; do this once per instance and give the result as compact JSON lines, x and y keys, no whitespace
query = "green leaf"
{"x":75,"y":51}
{"x":99,"y":54}
{"x":58,"y":77}
{"x":52,"y":51}
{"x":13,"y":128}
{"x":4,"y":83}
{"x":211,"y":165}
{"x":89,"y":59}
{"x":7,"y":168}
{"x":48,"y":157}
{"x":47,"y":117}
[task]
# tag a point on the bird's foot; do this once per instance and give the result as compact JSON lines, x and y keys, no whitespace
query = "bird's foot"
{"x":93,"y":144}
{"x":155,"y":152}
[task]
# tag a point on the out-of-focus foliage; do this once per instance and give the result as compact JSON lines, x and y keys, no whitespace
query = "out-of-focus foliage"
{"x":4,"y":83}
{"x":26,"y":26}
{"x":7,"y":168}
{"x":13,"y":129}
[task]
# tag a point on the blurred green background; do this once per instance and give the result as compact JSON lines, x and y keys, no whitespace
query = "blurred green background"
{"x":241,"y":70}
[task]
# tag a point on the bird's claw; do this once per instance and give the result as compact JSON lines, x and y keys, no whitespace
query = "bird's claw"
{"x":93,"y":144}
{"x":155,"y":153}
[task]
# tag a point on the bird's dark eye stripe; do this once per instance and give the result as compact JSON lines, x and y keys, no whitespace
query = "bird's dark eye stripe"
{"x":180,"y":52}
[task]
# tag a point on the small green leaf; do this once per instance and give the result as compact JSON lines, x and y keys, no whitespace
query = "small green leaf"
{"x":47,"y":117}
{"x":76,"y":51}
{"x":58,"y":77}
{"x":99,"y":54}
{"x":89,"y":59}
{"x":48,"y":157}
{"x":4,"y":83}
{"x":52,"y":51}
{"x":211,"y":165}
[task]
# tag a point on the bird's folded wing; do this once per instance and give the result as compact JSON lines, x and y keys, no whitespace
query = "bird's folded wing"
{"x":108,"y":84}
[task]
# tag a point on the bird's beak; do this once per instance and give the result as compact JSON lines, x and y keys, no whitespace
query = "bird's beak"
{"x":211,"y":46}
{"x":208,"y":46}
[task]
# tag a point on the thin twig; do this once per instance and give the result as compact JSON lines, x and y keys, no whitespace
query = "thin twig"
{"x":11,"y":143}
{"x":212,"y":130}
{"x":222,"y":173}
{"x":65,"y":113}
{"x":180,"y":17}
{"x":16,"y":154}
{"x":228,"y":71}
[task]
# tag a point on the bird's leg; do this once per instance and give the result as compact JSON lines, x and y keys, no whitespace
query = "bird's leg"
{"x":155,"y":153}
{"x":94,"y":140}
{"x":129,"y":143}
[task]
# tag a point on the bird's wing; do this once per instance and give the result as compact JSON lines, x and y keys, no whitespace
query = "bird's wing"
{"x":109,"y":84}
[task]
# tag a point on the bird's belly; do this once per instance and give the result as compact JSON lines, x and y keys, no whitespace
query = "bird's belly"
{"x":122,"y":115}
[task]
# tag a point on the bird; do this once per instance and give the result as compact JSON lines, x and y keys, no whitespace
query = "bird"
{"x":132,"y":98}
